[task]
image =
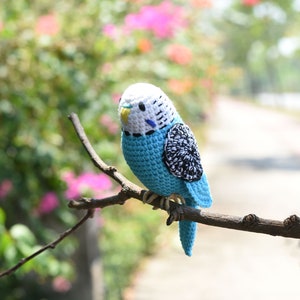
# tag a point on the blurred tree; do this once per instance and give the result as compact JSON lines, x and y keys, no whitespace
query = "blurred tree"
{"x":253,"y":31}
{"x":47,"y":71}
{"x":58,"y":57}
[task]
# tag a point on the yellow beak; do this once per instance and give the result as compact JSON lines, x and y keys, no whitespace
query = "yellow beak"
{"x":125,"y":114}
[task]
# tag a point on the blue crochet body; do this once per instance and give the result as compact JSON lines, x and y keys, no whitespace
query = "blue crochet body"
{"x":144,"y":155}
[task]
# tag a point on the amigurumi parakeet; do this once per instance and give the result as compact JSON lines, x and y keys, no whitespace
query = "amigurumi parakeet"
{"x":162,"y":152}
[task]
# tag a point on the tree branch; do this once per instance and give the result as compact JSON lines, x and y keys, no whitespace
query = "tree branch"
{"x":290,"y":227}
{"x":98,"y":162}
{"x":51,"y":245}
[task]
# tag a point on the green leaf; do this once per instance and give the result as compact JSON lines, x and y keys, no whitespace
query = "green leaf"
{"x":5,"y":242}
{"x":22,"y":234}
{"x":2,"y":216}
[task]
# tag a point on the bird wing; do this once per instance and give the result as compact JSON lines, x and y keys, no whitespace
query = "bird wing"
{"x":181,"y":155}
{"x":199,"y":193}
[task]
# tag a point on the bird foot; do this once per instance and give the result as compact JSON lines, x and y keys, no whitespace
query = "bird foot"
{"x":149,"y":197}
{"x":176,"y":198}
{"x":175,"y":214}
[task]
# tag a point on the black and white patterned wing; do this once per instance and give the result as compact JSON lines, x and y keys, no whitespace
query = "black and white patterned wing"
{"x":181,"y":154}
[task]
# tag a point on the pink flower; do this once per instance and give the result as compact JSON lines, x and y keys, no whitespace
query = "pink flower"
{"x":95,"y":182}
{"x":106,"y":68}
{"x":116,"y":98}
{"x":110,"y":30}
{"x":179,"y":54}
{"x":109,"y":123}
{"x":5,"y":187}
{"x":48,"y":203}
{"x":250,"y":2}
{"x":206,"y":83}
{"x":162,"y":20}
{"x":99,"y":184}
{"x":47,"y":25}
{"x":72,"y":190}
{"x":61,"y":284}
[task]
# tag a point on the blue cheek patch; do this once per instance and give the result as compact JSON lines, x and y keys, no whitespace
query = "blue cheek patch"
{"x":151,"y":123}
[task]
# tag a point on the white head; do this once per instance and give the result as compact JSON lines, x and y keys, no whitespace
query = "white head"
{"x":145,"y":108}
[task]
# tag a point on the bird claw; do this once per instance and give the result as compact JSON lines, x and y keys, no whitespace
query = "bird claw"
{"x":175,"y":214}
{"x":176,"y":198}
{"x":149,"y":197}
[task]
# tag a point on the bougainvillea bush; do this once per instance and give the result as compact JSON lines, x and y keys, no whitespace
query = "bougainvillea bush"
{"x":62,"y":56}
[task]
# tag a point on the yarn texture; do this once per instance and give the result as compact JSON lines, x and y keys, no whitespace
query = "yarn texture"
{"x":162,"y":152}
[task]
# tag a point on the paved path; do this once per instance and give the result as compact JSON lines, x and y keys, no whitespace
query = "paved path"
{"x":253,"y":164}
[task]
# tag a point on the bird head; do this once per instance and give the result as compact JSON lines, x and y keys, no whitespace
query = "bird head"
{"x":145,"y":108}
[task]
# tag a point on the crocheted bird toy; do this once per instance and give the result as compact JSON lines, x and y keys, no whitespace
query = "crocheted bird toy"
{"x":162,"y":152}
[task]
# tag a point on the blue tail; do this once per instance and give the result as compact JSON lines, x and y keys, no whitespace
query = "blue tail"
{"x":199,"y":195}
{"x":187,"y":234}
{"x":187,"y":231}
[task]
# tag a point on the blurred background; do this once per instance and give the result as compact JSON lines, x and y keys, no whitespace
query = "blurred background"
{"x":58,"y":57}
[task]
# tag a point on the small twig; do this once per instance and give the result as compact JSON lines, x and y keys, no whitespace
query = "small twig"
{"x":88,"y":203}
{"x":98,"y":162}
{"x":51,"y":245}
{"x":290,"y":227}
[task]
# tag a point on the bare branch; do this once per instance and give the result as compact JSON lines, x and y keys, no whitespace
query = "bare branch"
{"x":51,"y":245}
{"x":290,"y":227}
{"x":98,"y":162}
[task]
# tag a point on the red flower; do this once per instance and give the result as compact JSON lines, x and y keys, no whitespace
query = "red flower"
{"x":180,"y":87}
{"x":250,"y":2}
{"x":202,"y":3}
{"x":5,"y":187}
{"x":206,"y":83}
{"x":144,"y":45}
{"x":61,"y":284}
{"x":47,"y":25}
{"x":179,"y":54}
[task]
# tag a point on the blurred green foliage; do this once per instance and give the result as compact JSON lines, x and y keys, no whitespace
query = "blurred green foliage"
{"x":261,"y":39}
{"x":63,"y":56}
{"x":127,"y":243}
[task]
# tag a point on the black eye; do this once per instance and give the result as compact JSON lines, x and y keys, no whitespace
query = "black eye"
{"x":142,"y":106}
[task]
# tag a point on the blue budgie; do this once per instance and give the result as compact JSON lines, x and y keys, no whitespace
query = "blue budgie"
{"x":162,"y":151}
